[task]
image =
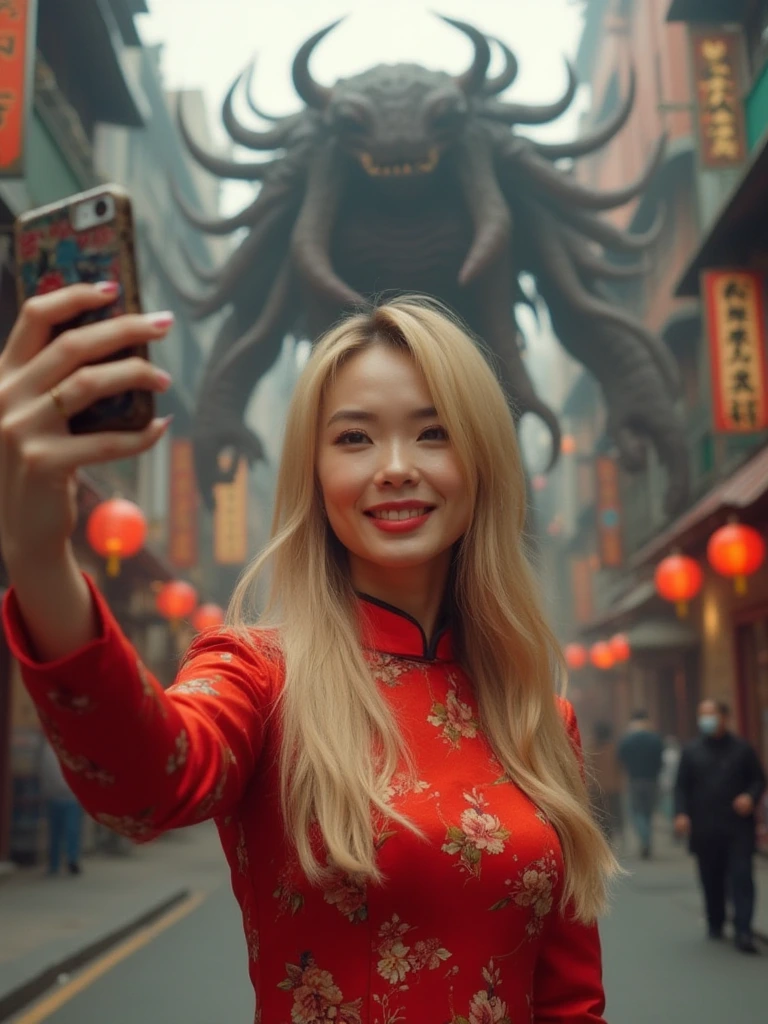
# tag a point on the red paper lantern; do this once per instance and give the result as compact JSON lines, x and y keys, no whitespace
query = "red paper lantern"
{"x":207,"y":616}
{"x":601,"y":655}
{"x":575,"y":656}
{"x":620,"y":648}
{"x":176,"y":600}
{"x":678,"y":578}
{"x":568,"y":444}
{"x":116,"y":529}
{"x":736,"y":551}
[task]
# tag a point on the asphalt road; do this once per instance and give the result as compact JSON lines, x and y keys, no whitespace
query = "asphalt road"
{"x":658,"y":968}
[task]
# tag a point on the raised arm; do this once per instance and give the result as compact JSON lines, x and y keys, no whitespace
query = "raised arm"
{"x":140,"y":759}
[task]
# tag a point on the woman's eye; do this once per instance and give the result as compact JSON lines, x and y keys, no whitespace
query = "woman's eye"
{"x":434,"y":434}
{"x":351,"y":437}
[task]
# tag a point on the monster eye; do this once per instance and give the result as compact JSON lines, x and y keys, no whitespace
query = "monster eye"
{"x":447,"y":118}
{"x":350,"y":121}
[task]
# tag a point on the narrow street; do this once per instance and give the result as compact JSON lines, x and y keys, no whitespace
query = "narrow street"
{"x":658,"y":968}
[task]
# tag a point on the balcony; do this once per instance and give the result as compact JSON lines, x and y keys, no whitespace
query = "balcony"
{"x":707,"y":10}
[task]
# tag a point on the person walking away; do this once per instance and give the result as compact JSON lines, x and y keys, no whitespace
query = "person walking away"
{"x":65,"y":816}
{"x":641,"y":752}
{"x":719,"y":786}
{"x":606,"y":781}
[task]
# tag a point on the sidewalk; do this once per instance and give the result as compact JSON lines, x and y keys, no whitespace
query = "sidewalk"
{"x":51,"y":925}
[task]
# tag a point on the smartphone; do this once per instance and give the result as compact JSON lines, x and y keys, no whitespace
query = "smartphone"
{"x":87,"y":238}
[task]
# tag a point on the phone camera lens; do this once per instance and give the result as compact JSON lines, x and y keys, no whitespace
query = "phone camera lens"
{"x":101,"y":207}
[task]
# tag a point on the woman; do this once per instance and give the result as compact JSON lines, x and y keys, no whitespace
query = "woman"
{"x":395,"y":784}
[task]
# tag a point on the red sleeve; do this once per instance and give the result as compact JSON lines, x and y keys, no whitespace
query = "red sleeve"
{"x":140,"y":759}
{"x":568,"y":982}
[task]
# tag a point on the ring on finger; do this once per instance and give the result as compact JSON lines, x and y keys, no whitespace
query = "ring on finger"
{"x":58,"y":401}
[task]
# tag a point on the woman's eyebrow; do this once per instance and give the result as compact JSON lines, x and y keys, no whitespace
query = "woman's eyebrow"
{"x":362,"y":415}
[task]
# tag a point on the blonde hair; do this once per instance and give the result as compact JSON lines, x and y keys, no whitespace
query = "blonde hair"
{"x":333,"y":716}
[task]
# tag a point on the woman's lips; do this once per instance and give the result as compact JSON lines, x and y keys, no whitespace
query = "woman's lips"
{"x":399,"y":520}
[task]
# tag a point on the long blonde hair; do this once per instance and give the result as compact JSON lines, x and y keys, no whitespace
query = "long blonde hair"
{"x":333,"y":716}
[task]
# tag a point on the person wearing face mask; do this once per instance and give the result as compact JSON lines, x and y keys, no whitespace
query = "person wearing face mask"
{"x":719,"y":784}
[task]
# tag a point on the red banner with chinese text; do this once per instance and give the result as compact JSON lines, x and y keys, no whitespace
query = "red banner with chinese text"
{"x":737,"y":345}
{"x":718,"y":68}
{"x":230,"y":523}
{"x":183,"y":507}
{"x":608,"y":512}
{"x":18,"y":21}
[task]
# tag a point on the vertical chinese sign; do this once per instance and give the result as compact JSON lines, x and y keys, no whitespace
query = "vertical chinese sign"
{"x":608,"y":514}
{"x":18,"y":21}
{"x":737,"y":346}
{"x":718,"y":73}
{"x":581,"y":590}
{"x":183,"y":507}
{"x":230,"y":524}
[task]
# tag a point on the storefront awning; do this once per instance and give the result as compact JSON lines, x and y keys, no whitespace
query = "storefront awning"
{"x":657,"y":635}
{"x":740,"y":227}
{"x":707,"y":10}
{"x":741,"y":490}
{"x":630,"y":601}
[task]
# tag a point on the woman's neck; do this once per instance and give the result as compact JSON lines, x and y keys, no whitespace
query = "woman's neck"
{"x":418,"y":591}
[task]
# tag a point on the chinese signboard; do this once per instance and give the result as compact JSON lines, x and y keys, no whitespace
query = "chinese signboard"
{"x":581,"y":589}
{"x":18,"y":19}
{"x":182,"y":531}
{"x":737,"y":344}
{"x":718,"y":65}
{"x":608,"y":515}
{"x":230,"y":525}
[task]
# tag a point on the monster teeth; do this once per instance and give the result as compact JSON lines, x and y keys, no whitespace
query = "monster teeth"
{"x":399,"y":170}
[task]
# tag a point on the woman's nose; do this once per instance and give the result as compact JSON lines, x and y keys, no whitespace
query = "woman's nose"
{"x":396,"y":467}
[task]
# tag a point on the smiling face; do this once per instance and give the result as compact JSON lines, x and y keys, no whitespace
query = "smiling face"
{"x":392,"y":486}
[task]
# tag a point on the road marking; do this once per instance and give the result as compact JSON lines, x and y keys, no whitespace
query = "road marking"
{"x":46,"y":1007}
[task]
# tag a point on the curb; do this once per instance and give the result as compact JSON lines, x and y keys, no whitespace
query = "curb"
{"x":15,"y":1000}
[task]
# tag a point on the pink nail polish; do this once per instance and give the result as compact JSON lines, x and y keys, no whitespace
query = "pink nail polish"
{"x":108,"y":287}
{"x":160,"y":320}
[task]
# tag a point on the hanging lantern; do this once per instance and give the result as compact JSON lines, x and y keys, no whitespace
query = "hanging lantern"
{"x":176,"y":600}
{"x":678,"y":578}
{"x":601,"y":656}
{"x":568,"y":444}
{"x":575,"y":656}
{"x":208,"y":616}
{"x":116,"y":529}
{"x":736,"y":551}
{"x":620,"y":648}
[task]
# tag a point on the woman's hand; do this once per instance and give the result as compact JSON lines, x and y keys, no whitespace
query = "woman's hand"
{"x":42,"y":384}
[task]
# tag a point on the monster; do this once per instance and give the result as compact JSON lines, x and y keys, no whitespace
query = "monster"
{"x":403,"y":179}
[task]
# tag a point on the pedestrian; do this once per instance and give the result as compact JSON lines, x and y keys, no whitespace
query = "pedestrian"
{"x":640,"y":752}
{"x":719,"y":786}
{"x":64,"y":813}
{"x":606,"y":781}
{"x":670,"y":763}
{"x":397,"y":789}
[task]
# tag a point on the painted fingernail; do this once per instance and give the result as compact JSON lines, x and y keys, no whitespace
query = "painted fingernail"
{"x":108,"y":287}
{"x":163,"y":319}
{"x":163,"y":379}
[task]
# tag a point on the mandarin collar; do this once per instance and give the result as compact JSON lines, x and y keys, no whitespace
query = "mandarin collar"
{"x":389,"y":630}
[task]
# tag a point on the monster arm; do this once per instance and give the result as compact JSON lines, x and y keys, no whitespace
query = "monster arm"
{"x":490,"y":213}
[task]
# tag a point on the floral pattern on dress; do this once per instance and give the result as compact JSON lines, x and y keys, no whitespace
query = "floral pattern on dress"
{"x":316,"y":996}
{"x":78,"y":764}
{"x":478,"y":833}
{"x":486,"y":1007}
{"x":178,"y":758}
{"x":388,"y":669}
{"x":349,"y":896}
{"x":533,"y":888}
{"x":397,"y":960}
{"x":455,"y":719}
{"x":290,"y":899}
{"x":137,"y":829}
{"x":403,"y":784}
{"x":148,"y":689}
{"x":204,"y":686}
{"x":251,"y":936}
{"x":241,"y":850}
{"x":216,"y":795}
{"x":78,"y":703}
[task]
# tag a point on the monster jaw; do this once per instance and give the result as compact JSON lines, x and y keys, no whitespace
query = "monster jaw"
{"x":400,"y":170}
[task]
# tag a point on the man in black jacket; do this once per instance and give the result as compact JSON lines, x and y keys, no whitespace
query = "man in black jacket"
{"x":719,"y":784}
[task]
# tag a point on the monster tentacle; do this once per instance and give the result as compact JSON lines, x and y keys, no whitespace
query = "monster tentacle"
{"x":591,"y":264}
{"x":209,"y":277}
{"x":274,"y":139}
{"x":314,"y":95}
{"x":550,"y":256}
{"x":258,"y":111}
{"x":599,"y":136}
{"x":473,"y":79}
{"x":311,"y":238}
{"x":216,"y":225}
{"x":220,"y":166}
{"x":520,"y":113}
{"x":611,"y":237}
{"x":502,"y":81}
{"x":546,"y":179}
{"x":490,"y":212}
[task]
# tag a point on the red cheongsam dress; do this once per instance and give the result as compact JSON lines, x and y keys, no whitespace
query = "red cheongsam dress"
{"x":466,"y":928}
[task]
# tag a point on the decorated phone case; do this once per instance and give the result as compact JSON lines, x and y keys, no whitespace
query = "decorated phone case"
{"x":53,"y":252}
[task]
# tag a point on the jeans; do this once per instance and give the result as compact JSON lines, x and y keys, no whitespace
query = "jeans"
{"x":725,"y":868}
{"x":642,"y":802}
{"x":65,"y":819}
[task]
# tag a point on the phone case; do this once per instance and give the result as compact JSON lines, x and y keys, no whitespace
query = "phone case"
{"x":51,"y":254}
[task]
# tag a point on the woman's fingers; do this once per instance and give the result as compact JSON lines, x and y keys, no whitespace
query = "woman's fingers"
{"x":102,"y":380}
{"x":46,"y":456}
{"x":41,"y":314}
{"x":92,"y":344}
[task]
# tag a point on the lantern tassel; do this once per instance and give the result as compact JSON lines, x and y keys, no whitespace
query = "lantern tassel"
{"x":681,"y":608}
{"x":740,"y":584}
{"x":113,"y":565}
